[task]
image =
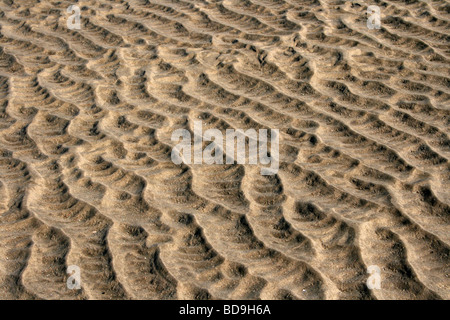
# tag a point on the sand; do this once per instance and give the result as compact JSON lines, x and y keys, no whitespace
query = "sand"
{"x":87,"y":180}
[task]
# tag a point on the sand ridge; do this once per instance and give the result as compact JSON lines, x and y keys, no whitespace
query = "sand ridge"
{"x":86,"y":177}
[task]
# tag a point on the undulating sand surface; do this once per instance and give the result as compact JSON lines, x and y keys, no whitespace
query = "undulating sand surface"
{"x":86,"y":176}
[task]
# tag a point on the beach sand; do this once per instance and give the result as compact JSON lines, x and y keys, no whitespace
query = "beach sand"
{"x":87,"y":180}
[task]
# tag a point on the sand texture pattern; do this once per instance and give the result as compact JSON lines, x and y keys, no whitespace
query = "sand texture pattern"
{"x":86,"y":176}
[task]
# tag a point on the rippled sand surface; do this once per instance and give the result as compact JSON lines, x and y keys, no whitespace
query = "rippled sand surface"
{"x":86,"y":177}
